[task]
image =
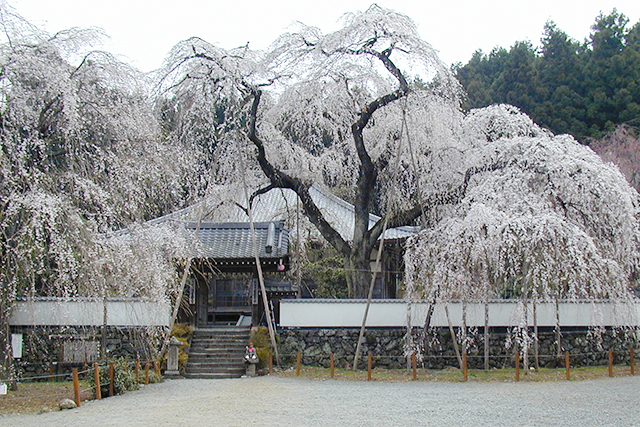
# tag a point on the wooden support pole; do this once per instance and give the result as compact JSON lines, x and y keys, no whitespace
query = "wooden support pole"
{"x":465,"y":367}
{"x":298,"y":360}
{"x":610,"y":362}
{"x":632,"y":361}
{"x":332,"y":364}
{"x":96,"y":376}
{"x":517,"y":366}
{"x":111,"y":377}
{"x":137,"y":369}
{"x":156,"y":366}
{"x":146,"y":373}
{"x":414,"y":366}
{"x":369,"y":366}
{"x":76,"y":387}
{"x":567,"y":364}
{"x":270,"y":362}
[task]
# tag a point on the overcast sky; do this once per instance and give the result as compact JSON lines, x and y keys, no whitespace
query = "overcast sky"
{"x":143,"y":31}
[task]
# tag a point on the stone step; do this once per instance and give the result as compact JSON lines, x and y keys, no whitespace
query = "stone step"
{"x":212,"y":375}
{"x":220,"y":370}
{"x":217,"y":353}
{"x":209,"y":362}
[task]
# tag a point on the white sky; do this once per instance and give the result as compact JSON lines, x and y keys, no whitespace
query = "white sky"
{"x":143,"y":31}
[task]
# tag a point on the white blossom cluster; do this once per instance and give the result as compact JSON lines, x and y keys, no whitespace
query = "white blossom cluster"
{"x":554,"y":222}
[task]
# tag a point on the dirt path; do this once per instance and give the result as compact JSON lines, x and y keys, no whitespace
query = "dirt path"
{"x":272,"y":401}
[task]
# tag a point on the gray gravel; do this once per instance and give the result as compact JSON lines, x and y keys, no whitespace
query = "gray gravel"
{"x":273,"y":401}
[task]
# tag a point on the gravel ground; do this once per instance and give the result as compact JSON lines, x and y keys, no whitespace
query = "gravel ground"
{"x":273,"y":401}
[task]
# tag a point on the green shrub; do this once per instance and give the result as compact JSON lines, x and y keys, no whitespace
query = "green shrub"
{"x":183,"y":332}
{"x":262,"y":343}
{"x":124,"y":378}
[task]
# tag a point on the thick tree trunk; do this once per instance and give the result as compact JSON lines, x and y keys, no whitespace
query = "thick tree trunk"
{"x":358,"y":274}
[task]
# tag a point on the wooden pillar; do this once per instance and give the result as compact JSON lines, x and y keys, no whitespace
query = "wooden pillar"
{"x":298,"y":361}
{"x":369,"y":366}
{"x":137,"y":369}
{"x":270,"y":362}
{"x":465,"y":366}
{"x":610,"y":362}
{"x":96,"y":376}
{"x":146,"y":373}
{"x":567,"y":364}
{"x":517,"y":366}
{"x":76,"y":387}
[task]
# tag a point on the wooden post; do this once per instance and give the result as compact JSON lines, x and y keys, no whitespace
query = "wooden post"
{"x":96,"y":376}
{"x":632,"y":361}
{"x":567,"y":364}
{"x":486,"y":336}
{"x":332,"y":363}
{"x":298,"y":358}
{"x":52,"y":368}
{"x":146,"y":373}
{"x":156,"y":366}
{"x":517,"y":366}
{"x":137,"y":369}
{"x":270,"y":362}
{"x":465,"y":370}
{"x":76,"y":387}
{"x":610,"y":362}
{"x":111,"y":376}
{"x":414,"y":366}
{"x":369,"y":366}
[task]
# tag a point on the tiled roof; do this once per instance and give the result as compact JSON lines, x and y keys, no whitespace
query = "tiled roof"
{"x":233,"y":240}
{"x":280,"y":204}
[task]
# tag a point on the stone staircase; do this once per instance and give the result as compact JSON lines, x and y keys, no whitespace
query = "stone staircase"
{"x":217,"y":352}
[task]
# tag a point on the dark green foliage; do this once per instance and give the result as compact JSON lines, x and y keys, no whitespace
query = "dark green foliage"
{"x":585,"y":89}
{"x":324,"y":275}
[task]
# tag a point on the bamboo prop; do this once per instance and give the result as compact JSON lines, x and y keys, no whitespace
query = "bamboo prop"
{"x":263,"y":289}
{"x":414,"y":366}
{"x":370,"y":296}
{"x":536,"y":344}
{"x":76,"y":387}
{"x":453,"y":336}
{"x":183,"y":283}
{"x":111,"y":377}
{"x":486,"y":335}
{"x":332,"y":364}
{"x":96,"y":376}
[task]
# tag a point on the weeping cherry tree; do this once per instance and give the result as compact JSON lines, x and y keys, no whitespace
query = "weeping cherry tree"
{"x":330,"y":108}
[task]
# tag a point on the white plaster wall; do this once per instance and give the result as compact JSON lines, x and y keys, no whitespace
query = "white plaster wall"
{"x":90,"y":313}
{"x":393,"y":313}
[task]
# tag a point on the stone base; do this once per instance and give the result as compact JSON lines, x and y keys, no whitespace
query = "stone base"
{"x":171,"y":374}
{"x":251,"y":370}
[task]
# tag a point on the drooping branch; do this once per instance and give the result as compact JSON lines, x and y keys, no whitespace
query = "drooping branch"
{"x":454,"y":196}
{"x":281,"y":179}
